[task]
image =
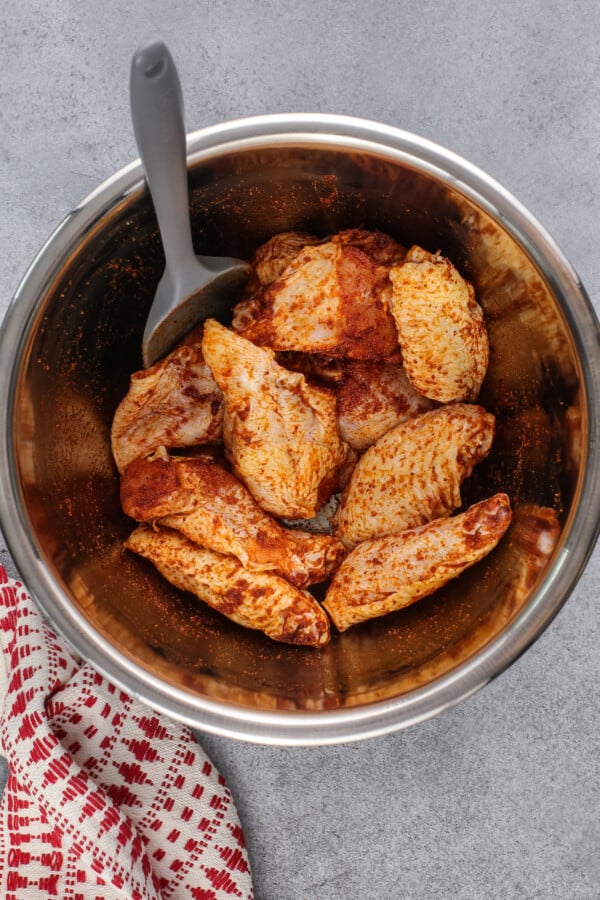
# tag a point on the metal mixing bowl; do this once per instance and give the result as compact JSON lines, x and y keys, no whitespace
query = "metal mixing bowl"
{"x":72,"y":336}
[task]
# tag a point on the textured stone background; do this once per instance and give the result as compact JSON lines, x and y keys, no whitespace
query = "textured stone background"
{"x":498,"y":798}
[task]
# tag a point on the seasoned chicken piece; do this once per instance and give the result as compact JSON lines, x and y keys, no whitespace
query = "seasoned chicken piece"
{"x":441,"y":327}
{"x":280,"y":432}
{"x":174,"y":403}
{"x":383,"y":575}
{"x":372,"y":398}
{"x":274,"y":256}
{"x":379,"y":247}
{"x":413,"y":473}
{"x":211,"y":507}
{"x":333,"y":299}
{"x":254,"y":599}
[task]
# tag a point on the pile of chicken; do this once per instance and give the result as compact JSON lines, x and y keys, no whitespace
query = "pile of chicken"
{"x":345,"y":390}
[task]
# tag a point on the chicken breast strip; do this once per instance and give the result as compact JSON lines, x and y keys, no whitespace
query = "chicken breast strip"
{"x":413,"y":473}
{"x":280,"y":433}
{"x":256,"y":600}
{"x":211,"y":507}
{"x":441,"y":327}
{"x":174,"y":403}
{"x":387,"y":574}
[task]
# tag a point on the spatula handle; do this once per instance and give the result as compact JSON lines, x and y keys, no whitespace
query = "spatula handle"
{"x":158,"y":124}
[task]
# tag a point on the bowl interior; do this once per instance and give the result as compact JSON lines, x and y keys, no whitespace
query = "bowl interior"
{"x":85,"y":342}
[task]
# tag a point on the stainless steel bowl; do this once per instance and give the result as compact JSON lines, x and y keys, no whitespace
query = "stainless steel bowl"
{"x":73,"y":334}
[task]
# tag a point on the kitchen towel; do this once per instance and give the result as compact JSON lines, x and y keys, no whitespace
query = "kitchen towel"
{"x":105,"y":798}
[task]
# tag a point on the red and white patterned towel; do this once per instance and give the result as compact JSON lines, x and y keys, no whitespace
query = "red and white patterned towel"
{"x":105,"y":798}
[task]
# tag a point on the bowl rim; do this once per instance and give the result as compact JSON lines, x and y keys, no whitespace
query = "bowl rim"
{"x":580,"y":533}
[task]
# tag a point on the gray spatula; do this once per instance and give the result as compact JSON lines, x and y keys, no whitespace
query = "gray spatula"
{"x":192,"y":287}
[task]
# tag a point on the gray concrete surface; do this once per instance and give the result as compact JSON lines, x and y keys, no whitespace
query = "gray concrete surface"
{"x":498,"y":798}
